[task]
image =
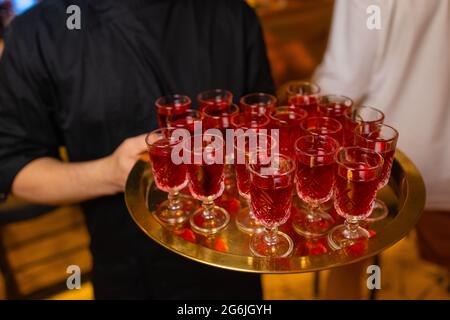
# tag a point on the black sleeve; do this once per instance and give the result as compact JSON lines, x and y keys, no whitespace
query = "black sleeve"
{"x":27,"y":126}
{"x":259,"y":77}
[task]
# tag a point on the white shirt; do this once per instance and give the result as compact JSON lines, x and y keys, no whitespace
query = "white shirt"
{"x":402,"y":69}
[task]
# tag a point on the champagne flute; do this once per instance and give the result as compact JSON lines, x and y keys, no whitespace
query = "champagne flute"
{"x":271,"y":186}
{"x":168,"y":176}
{"x":382,"y":139}
{"x":206,"y":181}
{"x":172,"y":104}
{"x":358,"y":173}
{"x":316,"y":166}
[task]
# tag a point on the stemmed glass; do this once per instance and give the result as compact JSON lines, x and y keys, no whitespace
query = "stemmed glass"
{"x":382,"y":139}
{"x":271,"y":186}
{"x":215,"y":118}
{"x":316,"y":166}
{"x":287,"y":120}
{"x":333,"y":106}
{"x":304,"y":95}
{"x":323,"y":126}
{"x":245,"y":219}
{"x":357,"y":179}
{"x":367,"y":117}
{"x":168,"y":105}
{"x":260,"y":103}
{"x":206,"y":182}
{"x":217,"y":98}
{"x":168,"y":176}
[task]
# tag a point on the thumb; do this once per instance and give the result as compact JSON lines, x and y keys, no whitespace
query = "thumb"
{"x":138,"y":143}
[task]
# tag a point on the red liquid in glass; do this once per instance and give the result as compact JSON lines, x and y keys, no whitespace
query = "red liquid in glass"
{"x":350,"y":126}
{"x":167,"y":175}
{"x":333,"y":110}
{"x":168,"y":110}
{"x":349,"y":133}
{"x":308,"y":103}
{"x":289,"y":130}
{"x":315,"y":184}
{"x":243,"y":179}
{"x":271,"y":199}
{"x":385,"y":148}
{"x":185,"y":123}
{"x":218,"y":119}
{"x":219,"y":104}
{"x":355,"y":191}
{"x":206,"y":180}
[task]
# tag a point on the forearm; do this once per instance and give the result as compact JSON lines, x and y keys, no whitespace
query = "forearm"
{"x":50,"y":181}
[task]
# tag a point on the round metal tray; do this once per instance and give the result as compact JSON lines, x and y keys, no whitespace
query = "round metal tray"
{"x":404,"y":196}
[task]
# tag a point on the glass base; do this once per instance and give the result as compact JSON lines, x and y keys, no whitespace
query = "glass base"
{"x":178,"y":216}
{"x":343,"y":236}
{"x":247,"y":223}
{"x":218,"y":221}
{"x":379,"y":211}
{"x":279,"y":249}
{"x":312,"y":225}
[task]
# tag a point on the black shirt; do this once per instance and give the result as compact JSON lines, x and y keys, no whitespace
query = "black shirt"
{"x":92,"y":88}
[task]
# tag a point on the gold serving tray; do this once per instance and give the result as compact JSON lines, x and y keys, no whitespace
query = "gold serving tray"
{"x":405,"y":197}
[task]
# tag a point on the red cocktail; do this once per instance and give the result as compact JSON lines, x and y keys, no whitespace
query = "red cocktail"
{"x":382,"y":139}
{"x":169,"y":105}
{"x":219,"y":118}
{"x":334,"y":106}
{"x":287,"y":120}
{"x":260,"y":103}
{"x":250,"y":125}
{"x":169,"y":176}
{"x":304,"y":95}
{"x":357,"y":178}
{"x":206,"y":182}
{"x":217,"y":98}
{"x":247,"y":147}
{"x":246,"y":121}
{"x":323,"y":126}
{"x":185,"y":120}
{"x":271,"y":186}
{"x":366,"y":117}
{"x":316,"y":168}
{"x":214,"y":118}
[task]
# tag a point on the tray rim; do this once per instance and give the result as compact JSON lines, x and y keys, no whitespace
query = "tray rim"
{"x":398,"y":228}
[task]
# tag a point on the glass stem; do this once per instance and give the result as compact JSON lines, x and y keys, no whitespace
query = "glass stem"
{"x":250,"y":209}
{"x":208,"y":209}
{"x":313,"y":207}
{"x":351,"y":224}
{"x":271,"y":235}
{"x":174,"y":200}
